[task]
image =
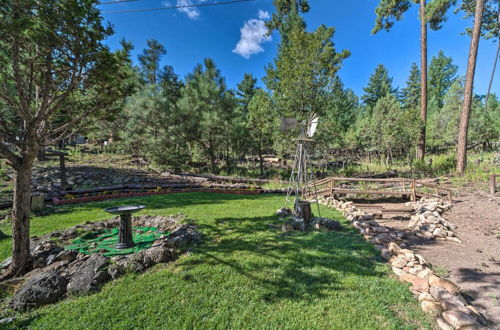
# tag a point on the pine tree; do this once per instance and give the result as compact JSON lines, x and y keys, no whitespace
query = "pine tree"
{"x":379,"y":85}
{"x":410,"y":95}
{"x":150,"y":60}
{"x":434,"y":13}
{"x":262,"y":124}
{"x":486,"y":24}
{"x":246,"y":90}
{"x":207,"y":105}
{"x":442,"y":73}
{"x":303,"y":71}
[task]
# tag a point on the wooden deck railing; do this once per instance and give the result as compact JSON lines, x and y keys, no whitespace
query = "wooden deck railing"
{"x":407,"y":187}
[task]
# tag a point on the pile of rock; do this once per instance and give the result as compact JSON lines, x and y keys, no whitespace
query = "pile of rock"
{"x":428,"y":222}
{"x":58,"y":272}
{"x":436,"y":295}
{"x":293,"y":222}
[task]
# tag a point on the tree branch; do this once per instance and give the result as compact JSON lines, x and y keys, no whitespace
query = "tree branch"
{"x":9,"y":155}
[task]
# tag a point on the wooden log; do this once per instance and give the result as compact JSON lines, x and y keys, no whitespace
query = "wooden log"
{"x":413,"y":196}
{"x":370,"y":180}
{"x":303,"y":210}
{"x":493,"y":184}
{"x":370,"y":192}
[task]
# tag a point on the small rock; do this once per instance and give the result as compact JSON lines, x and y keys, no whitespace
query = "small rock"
{"x":90,"y":275}
{"x":445,"y":284}
{"x":454,"y":239}
{"x":442,"y":324}
{"x":393,"y":248}
{"x":116,"y":271}
{"x":425,"y":296}
{"x":399,"y":263}
{"x":398,"y":271}
{"x":458,"y":319}
{"x":418,"y":284}
{"x":430,"y":306}
{"x":40,"y":290}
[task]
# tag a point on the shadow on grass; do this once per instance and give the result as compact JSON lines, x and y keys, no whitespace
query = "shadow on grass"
{"x":292,"y":265}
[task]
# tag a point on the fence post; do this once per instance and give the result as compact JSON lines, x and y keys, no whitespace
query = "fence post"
{"x":450,"y":196}
{"x":413,"y":192}
{"x":331,"y":187}
{"x":492,"y":184}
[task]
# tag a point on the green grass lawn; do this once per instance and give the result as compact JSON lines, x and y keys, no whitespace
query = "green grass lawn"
{"x":245,"y":275}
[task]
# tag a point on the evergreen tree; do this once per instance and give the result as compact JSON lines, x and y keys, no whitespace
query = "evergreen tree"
{"x":56,"y":75}
{"x":410,"y":95}
{"x":434,"y":13}
{"x":262,"y":124}
{"x":286,"y":16}
{"x":393,"y":130}
{"x":304,"y":72}
{"x":379,"y":85}
{"x":246,"y":90}
{"x":150,"y":60}
{"x":206,"y":105}
{"x":442,"y":73}
{"x":443,"y":126}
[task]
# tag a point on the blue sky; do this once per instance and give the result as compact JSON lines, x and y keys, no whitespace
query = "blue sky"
{"x":191,"y":35}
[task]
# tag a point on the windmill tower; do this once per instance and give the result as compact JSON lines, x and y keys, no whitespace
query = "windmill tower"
{"x":302,"y":173}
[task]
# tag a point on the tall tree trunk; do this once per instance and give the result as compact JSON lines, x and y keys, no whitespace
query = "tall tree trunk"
{"x":492,"y":73}
{"x":261,"y":160}
{"x":21,"y":217}
{"x":468,"y":91}
{"x":423,"y":81}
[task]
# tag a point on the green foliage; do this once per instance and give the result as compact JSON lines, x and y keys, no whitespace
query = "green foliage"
{"x":56,"y":47}
{"x":262,"y":123}
{"x":442,"y":74}
{"x":410,"y":95}
{"x":390,"y":11}
{"x":150,"y":60}
{"x":303,"y":72}
{"x":208,"y":108}
{"x":379,"y":85}
{"x":490,"y":26}
{"x":443,"y":125}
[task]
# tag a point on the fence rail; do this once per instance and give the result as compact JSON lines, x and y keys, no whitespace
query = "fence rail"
{"x":408,"y":188}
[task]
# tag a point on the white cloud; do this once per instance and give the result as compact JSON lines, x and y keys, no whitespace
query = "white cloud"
{"x":252,"y":36}
{"x":191,"y":12}
{"x":264,"y":14}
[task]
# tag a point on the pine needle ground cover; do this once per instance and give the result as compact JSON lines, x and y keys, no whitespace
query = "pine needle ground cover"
{"x":246,"y":274}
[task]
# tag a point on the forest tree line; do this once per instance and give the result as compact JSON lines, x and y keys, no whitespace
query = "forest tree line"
{"x":176,"y":122}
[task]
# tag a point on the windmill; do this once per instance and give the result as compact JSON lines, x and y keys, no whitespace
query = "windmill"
{"x":302,"y":174}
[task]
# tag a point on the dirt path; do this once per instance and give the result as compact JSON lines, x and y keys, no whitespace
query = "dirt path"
{"x":474,"y":264}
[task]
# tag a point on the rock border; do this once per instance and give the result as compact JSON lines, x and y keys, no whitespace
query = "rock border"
{"x":437,"y":296}
{"x":57,"y":272}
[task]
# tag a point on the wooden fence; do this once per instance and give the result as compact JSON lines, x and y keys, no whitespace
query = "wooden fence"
{"x":393,"y":186}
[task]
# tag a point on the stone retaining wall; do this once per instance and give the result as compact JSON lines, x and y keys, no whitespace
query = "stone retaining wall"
{"x":436,"y":295}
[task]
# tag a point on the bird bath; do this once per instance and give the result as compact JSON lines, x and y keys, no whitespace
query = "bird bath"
{"x":125,"y":240}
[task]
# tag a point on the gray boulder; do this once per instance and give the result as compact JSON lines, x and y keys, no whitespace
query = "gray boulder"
{"x":90,"y":275}
{"x":40,"y":290}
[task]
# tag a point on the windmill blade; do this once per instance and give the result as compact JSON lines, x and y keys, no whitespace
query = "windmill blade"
{"x":313,"y":125}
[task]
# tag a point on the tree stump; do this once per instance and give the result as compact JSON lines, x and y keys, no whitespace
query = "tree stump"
{"x":303,"y":210}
